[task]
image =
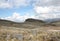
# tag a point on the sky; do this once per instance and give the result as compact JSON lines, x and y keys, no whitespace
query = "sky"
{"x":20,"y":10}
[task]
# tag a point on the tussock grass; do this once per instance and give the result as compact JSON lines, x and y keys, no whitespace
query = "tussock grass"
{"x":29,"y":35}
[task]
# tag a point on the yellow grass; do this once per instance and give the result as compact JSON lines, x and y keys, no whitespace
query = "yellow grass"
{"x":21,"y":34}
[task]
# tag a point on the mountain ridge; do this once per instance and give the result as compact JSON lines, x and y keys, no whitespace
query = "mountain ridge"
{"x":29,"y":23}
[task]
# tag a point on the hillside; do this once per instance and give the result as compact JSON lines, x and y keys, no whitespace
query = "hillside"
{"x":55,"y":23}
{"x":7,"y":23}
{"x":29,"y":23}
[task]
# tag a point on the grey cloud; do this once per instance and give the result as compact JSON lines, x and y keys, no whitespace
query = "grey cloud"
{"x":47,"y":2}
{"x":55,"y":2}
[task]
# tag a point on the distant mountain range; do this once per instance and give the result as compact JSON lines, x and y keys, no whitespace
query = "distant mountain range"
{"x":53,"y":20}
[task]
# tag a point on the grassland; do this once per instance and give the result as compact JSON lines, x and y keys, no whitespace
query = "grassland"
{"x":22,"y":34}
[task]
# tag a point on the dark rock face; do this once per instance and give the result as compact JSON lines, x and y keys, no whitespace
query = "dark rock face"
{"x":34,"y":20}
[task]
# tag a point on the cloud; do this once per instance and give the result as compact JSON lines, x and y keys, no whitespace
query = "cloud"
{"x":4,"y":5}
{"x":54,"y":2}
{"x":23,"y":3}
{"x":47,"y":6}
{"x":13,"y":3}
{"x":18,"y":18}
{"x":50,"y":12}
{"x":47,"y":9}
{"x":47,"y":2}
{"x":44,"y":10}
{"x":50,"y":16}
{"x":47,"y":16}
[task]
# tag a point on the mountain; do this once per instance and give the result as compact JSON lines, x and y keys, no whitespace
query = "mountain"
{"x":54,"y":22}
{"x":29,"y":23}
